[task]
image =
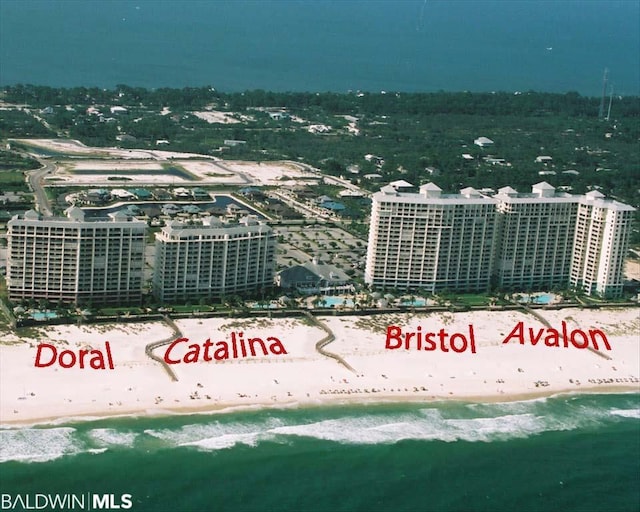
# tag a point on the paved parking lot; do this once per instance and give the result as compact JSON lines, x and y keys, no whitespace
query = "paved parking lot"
{"x":328,"y":244}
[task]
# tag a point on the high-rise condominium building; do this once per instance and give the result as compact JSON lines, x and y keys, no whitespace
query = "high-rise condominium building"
{"x":211,"y":259}
{"x":75,"y":259}
{"x":430,"y":240}
{"x":517,"y":241}
{"x":535,"y":241}
{"x":603,"y":228}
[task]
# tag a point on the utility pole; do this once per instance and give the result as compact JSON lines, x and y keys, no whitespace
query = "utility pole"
{"x":610,"y":101}
{"x":605,"y":80}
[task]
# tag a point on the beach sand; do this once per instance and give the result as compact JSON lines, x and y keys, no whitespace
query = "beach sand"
{"x":302,"y":376}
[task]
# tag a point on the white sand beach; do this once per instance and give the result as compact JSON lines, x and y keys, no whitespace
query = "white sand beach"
{"x":302,"y":376}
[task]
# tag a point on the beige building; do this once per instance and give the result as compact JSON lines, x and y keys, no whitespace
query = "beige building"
{"x":535,"y":242}
{"x":431,"y":241}
{"x":75,"y":259}
{"x":540,"y":240}
{"x":211,"y":259}
{"x":603,"y":228}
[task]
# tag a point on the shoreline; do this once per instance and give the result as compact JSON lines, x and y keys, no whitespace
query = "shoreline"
{"x":302,"y":377}
{"x":344,"y":402}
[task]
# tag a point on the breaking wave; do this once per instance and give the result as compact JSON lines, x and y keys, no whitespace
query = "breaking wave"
{"x":383,"y":424}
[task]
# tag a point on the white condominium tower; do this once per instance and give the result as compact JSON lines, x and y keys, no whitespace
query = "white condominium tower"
{"x":430,"y":240}
{"x":211,"y":259}
{"x":514,"y":241}
{"x":75,"y":259}
{"x":602,"y":235}
{"x":535,"y":241}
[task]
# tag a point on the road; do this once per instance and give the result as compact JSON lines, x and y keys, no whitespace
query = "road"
{"x":36,"y":179}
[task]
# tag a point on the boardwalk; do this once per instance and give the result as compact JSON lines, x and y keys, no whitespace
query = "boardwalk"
{"x":154,"y":345}
{"x":544,"y":321}
{"x":326,"y":340}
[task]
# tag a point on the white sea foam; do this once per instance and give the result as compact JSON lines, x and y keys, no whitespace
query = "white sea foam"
{"x":521,"y":407}
{"x":225,"y":441}
{"x":490,"y":422}
{"x":627,"y":413}
{"x":472,"y":423}
{"x":96,"y":451}
{"x":217,"y":435}
{"x":429,"y":425}
{"x":106,"y":437}
{"x":37,"y":445}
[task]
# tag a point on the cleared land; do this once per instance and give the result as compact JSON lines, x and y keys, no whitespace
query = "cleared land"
{"x":140,"y":164}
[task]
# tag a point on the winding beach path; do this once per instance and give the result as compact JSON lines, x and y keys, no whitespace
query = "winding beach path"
{"x":155,"y":344}
{"x":543,"y":320}
{"x":326,"y":340}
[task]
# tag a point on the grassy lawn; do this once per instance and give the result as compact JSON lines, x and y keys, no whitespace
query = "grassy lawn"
{"x":11,"y":177}
{"x":11,"y":180}
{"x":191,"y":308}
{"x":120,"y":311}
{"x":473,"y":299}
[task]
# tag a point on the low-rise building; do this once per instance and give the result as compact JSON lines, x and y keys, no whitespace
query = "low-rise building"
{"x":314,"y":277}
{"x":483,"y":142}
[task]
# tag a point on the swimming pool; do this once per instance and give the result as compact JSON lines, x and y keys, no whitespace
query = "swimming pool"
{"x":538,"y":298}
{"x":43,"y":315}
{"x":543,"y":298}
{"x":331,"y":301}
{"x":415,"y":302}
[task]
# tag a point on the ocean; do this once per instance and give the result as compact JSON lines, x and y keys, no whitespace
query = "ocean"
{"x":564,"y":453}
{"x":324,"y":45}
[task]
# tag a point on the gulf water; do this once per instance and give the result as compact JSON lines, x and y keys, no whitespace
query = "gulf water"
{"x":565,"y":453}
{"x":324,"y":45}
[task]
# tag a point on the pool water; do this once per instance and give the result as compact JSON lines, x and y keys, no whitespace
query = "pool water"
{"x":43,"y":315}
{"x":539,"y":298}
{"x":544,"y":298}
{"x":414,"y":302}
{"x":333,"y":301}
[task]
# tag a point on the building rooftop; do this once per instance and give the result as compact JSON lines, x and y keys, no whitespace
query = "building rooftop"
{"x":207,"y":226}
{"x":75,"y":214}
{"x":312,"y":272}
{"x":430,"y":193}
{"x":541,"y":191}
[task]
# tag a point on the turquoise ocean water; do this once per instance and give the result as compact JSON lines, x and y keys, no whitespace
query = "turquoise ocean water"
{"x":566,"y":453}
{"x":324,"y":45}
